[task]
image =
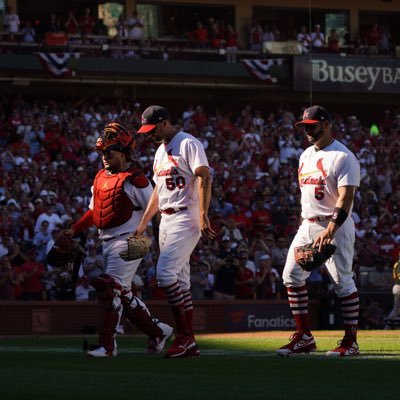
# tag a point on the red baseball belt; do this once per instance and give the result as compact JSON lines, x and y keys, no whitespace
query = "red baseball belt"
{"x":171,"y":210}
{"x":321,"y":218}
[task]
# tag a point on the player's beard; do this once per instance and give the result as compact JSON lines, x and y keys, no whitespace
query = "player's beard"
{"x":157,"y":139}
{"x":315,"y":134}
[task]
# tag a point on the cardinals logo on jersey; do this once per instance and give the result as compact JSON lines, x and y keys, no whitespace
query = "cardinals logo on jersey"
{"x":161,"y":171}
{"x":172,"y":159}
{"x":307,"y":178}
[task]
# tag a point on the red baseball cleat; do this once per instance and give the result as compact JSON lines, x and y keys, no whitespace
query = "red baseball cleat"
{"x":346,"y":347}
{"x":300,"y":343}
{"x":181,"y":347}
{"x":194,"y":352}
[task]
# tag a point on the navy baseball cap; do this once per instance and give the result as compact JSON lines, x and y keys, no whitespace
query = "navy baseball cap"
{"x":151,"y":117}
{"x":313,"y":115}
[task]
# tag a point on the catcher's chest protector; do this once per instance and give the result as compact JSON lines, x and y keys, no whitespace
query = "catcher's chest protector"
{"x":112,"y":206}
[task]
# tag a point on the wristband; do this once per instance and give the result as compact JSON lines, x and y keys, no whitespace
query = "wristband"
{"x":339,"y":216}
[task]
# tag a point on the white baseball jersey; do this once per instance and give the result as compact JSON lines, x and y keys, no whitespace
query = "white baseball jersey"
{"x":174,"y":167}
{"x":320,"y":174}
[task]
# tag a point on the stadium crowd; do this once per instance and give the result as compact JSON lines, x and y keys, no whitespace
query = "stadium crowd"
{"x":84,"y":28}
{"x":47,"y":163}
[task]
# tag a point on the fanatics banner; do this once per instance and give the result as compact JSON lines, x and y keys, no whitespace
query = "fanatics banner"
{"x":346,"y":74}
{"x":258,"y":317}
{"x":56,"y":63}
{"x":262,"y":70}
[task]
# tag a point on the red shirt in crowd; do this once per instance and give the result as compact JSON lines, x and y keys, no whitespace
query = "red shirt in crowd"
{"x":200,"y":35}
{"x":247,"y":290}
{"x":33,"y":273}
{"x":260,"y":218}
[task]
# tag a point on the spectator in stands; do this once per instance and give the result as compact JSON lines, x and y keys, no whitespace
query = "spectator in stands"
{"x":123,"y":28}
{"x":304,"y":39}
{"x":279,"y":254}
{"x":65,"y":289}
{"x":258,"y":247}
{"x":333,"y":42}
{"x":245,"y":283}
{"x":198,"y":280}
{"x":50,"y":216}
{"x":11,"y":21}
{"x":83,"y":290}
{"x":54,"y":24}
{"x":368,"y":251}
{"x":231,"y":43}
{"x":275,"y":32}
{"x":40,"y":240}
{"x":199,"y":36}
{"x":92,"y":263}
{"x":71,"y":23}
{"x":255,"y":35}
{"x":387,"y":245}
{"x":358,"y":45}
{"x":215,"y":36}
{"x":225,"y":277}
{"x":268,"y":281}
{"x":317,"y":39}
{"x":384,"y":44}
{"x":14,"y":213}
{"x":373,"y":38}
{"x":33,"y":273}
{"x":8,"y":280}
{"x":28,"y":33}
{"x":268,"y":35}
{"x":87,"y":22}
{"x":136,"y":27}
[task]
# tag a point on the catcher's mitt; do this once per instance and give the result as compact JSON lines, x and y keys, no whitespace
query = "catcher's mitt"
{"x":309,"y":257}
{"x":138,"y":247}
{"x":64,"y":252}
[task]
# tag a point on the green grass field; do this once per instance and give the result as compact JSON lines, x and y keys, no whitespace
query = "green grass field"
{"x":232,"y":366}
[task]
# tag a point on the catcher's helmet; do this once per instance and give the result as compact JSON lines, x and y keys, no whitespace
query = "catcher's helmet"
{"x":114,"y":136}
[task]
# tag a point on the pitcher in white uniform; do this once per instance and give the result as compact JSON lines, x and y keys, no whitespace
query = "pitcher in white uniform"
{"x":182,"y":194}
{"x":328,"y":175}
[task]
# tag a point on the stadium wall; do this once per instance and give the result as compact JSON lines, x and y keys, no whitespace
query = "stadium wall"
{"x":68,"y":318}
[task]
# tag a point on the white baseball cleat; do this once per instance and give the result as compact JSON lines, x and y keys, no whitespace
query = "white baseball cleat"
{"x":161,"y":341}
{"x":101,"y":352}
{"x":300,"y":343}
{"x":346,"y":347}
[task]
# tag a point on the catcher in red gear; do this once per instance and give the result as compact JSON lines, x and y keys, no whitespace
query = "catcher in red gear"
{"x":120,"y":194}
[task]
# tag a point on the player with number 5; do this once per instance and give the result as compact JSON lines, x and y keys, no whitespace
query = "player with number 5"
{"x":182,"y":195}
{"x":328,"y":175}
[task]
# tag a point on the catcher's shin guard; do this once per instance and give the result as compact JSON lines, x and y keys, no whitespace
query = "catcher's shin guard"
{"x":138,"y":314}
{"x":108,"y":295}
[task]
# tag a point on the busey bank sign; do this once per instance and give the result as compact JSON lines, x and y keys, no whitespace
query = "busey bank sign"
{"x":347,"y":74}
{"x":258,"y":317}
